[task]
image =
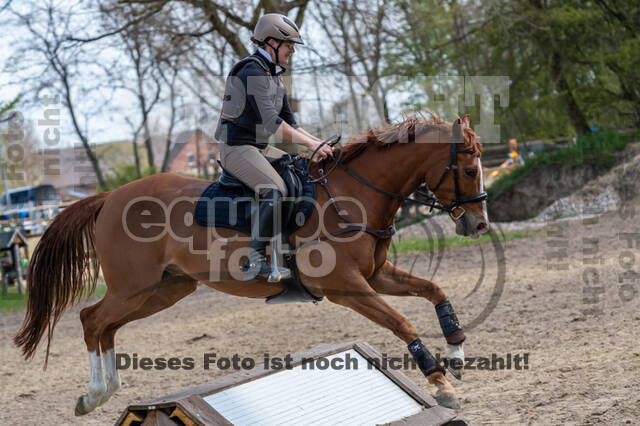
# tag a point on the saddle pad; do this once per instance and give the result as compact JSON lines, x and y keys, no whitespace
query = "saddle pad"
{"x":217,"y":203}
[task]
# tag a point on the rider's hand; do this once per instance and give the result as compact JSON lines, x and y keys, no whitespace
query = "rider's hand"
{"x":324,"y":152}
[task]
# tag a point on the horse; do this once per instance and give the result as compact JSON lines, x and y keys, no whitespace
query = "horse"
{"x":153,"y":269}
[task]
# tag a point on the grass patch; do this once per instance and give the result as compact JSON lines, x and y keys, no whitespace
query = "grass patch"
{"x":430,"y":245}
{"x":595,"y":149}
{"x":13,"y":301}
{"x":565,"y":216}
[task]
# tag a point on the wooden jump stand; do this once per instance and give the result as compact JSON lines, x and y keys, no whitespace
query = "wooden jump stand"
{"x":197,"y":405}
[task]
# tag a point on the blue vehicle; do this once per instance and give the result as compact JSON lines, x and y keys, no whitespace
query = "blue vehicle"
{"x":25,"y":198}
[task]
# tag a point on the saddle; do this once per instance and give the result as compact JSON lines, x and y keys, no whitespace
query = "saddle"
{"x":228,"y":203}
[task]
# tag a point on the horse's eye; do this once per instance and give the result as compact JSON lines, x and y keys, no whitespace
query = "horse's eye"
{"x":471,"y":172}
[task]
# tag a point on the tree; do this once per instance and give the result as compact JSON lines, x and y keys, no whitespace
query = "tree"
{"x":571,"y":64}
{"x":59,"y":65}
{"x":226,"y":19}
{"x":146,"y":89}
{"x":6,"y":109}
{"x":137,"y":74}
{"x":26,"y":168}
{"x":149,"y":72}
{"x":169,"y":71}
{"x":590,"y":52}
{"x":611,"y":54}
{"x":356,"y":32}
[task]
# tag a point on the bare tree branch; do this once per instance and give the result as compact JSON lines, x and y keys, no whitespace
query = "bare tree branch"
{"x":125,"y":27}
{"x":60,"y":57}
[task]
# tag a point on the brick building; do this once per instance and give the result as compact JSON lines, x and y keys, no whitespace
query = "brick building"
{"x":68,"y":169}
{"x":194,"y":153}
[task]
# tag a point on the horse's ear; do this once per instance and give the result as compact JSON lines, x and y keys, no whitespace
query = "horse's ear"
{"x":466,"y":121}
{"x":457,"y":131}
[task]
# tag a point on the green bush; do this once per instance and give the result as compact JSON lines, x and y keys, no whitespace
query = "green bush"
{"x":596,"y":149}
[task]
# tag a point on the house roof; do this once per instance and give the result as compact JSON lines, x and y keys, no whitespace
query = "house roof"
{"x":183,"y":138}
{"x":9,"y":237}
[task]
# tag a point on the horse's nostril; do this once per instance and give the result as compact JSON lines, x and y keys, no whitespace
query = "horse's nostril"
{"x":481,"y":226}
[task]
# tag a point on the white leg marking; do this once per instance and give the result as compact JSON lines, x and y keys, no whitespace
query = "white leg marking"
{"x":484,"y":203}
{"x":97,"y":387}
{"x":455,"y":352}
{"x":111,"y":374}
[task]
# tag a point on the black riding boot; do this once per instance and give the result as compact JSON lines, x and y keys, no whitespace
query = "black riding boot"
{"x":257,"y":265}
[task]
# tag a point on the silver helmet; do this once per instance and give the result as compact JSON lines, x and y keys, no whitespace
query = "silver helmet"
{"x":278,"y":27}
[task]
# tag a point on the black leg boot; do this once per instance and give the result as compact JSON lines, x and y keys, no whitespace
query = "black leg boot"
{"x":257,"y":266}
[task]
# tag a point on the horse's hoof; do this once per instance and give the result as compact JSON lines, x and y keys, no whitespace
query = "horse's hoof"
{"x":80,"y":408}
{"x":448,"y":400}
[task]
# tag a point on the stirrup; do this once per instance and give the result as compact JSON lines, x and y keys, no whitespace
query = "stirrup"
{"x":277,"y":274}
{"x":255,"y":267}
{"x":258,"y":267}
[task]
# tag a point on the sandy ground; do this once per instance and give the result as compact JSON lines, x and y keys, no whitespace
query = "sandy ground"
{"x":583,"y":367}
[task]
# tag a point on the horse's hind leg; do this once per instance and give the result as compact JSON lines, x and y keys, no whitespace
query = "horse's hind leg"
{"x":97,"y":386}
{"x":95,"y":320}
{"x":160,"y":299}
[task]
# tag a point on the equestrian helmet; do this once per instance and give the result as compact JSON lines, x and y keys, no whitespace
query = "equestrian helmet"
{"x":278,"y":27}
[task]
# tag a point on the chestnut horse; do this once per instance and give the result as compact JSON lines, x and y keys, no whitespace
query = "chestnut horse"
{"x":153,"y":269}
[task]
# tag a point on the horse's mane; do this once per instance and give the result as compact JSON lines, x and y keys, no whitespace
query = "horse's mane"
{"x":407,"y":130}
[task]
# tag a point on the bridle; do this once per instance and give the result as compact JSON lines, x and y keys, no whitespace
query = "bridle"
{"x":457,"y":203}
{"x":455,"y":209}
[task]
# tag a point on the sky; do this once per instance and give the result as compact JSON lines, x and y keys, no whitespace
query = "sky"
{"x":109,"y":125}
{"x":104,"y":118}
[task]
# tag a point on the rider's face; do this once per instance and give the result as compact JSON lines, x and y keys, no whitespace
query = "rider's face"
{"x":284,"y":52}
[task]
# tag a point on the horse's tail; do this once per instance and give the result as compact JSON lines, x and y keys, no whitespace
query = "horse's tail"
{"x":62,"y":265}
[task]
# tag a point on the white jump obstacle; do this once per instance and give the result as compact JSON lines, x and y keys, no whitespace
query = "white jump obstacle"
{"x":345,"y":384}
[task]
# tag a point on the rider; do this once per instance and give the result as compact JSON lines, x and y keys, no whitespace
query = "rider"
{"x":255,"y":106}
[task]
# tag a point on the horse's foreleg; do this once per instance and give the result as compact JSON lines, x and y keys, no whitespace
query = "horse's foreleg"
{"x":360,"y":297}
{"x":394,"y":281}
